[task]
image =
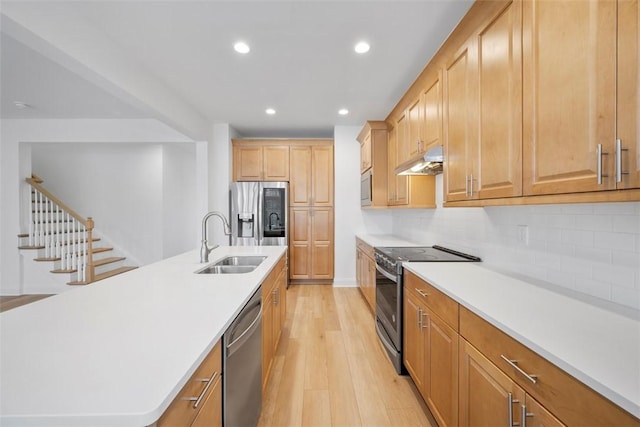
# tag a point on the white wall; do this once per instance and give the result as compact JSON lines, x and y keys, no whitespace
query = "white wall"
{"x":349,"y":218}
{"x":590,"y":248}
{"x":18,"y":137}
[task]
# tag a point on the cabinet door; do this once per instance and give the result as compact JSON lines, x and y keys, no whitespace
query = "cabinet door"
{"x":628,"y":78}
{"x":392,"y":158}
{"x":414,"y":341}
{"x":276,"y":325}
{"x":322,"y":243}
{"x":370,"y":281}
{"x":300,"y":174}
{"x":460,"y":123}
{"x":267,"y":337}
{"x":282,"y":298}
{"x":500,"y":76}
{"x":487,"y":396}
{"x":538,"y":416}
{"x":442,"y":371}
{"x":210,"y":414}
{"x":569,"y":86}
{"x":299,"y":243}
{"x":276,"y":163}
{"x":414,"y":140}
{"x":322,"y":176}
{"x":432,"y":115}
{"x":365,"y":154}
{"x":247,"y":163}
{"x":402,"y":136}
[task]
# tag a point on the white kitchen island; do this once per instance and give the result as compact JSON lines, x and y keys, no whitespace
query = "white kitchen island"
{"x":117,"y":352}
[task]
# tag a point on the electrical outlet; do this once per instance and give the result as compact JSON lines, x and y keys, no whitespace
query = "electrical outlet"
{"x":523,"y":234}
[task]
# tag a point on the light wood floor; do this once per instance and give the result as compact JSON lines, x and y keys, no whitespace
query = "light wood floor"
{"x":330,"y":369}
{"x":9,"y":302}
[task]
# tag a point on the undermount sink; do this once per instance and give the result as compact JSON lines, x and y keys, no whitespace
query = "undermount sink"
{"x":233,"y":265}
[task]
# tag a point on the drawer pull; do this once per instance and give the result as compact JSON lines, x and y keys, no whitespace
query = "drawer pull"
{"x":203,"y":392}
{"x":421,"y":292}
{"x":514,"y":364}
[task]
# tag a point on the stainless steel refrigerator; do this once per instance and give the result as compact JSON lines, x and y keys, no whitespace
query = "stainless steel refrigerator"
{"x":259,"y":213}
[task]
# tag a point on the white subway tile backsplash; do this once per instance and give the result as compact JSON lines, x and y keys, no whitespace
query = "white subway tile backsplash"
{"x":617,"y":241}
{"x":626,"y":223}
{"x":619,"y":276}
{"x":625,"y":296}
{"x":590,"y":248}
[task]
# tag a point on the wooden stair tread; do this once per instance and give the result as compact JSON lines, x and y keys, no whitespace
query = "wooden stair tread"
{"x":47,"y":259}
{"x":108,"y":260}
{"x":70,"y":270}
{"x":102,"y":276}
{"x":30,"y":247}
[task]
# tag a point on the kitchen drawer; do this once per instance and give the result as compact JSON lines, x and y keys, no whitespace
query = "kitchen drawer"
{"x":571,"y":401}
{"x":271,"y":281}
{"x":438,"y":302}
{"x":365,"y":248}
{"x":182,"y":411}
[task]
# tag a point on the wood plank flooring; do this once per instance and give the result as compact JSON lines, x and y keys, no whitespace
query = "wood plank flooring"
{"x":9,"y":302}
{"x":330,"y":369}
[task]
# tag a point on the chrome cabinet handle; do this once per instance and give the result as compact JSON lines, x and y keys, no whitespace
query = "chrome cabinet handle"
{"x":510,"y":402}
{"x":599,"y":154}
{"x":471,"y":185}
{"x":525,"y":414}
{"x":513,"y":363}
{"x":619,"y":150}
{"x":422,"y":323}
{"x":421,"y":292}
{"x":198,"y":399}
{"x":419,"y":317}
{"x":466,"y":186}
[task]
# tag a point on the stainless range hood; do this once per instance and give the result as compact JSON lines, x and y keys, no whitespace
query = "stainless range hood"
{"x":428,"y":164}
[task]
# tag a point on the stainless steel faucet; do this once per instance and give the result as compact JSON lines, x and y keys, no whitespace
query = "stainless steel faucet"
{"x":205,"y":249}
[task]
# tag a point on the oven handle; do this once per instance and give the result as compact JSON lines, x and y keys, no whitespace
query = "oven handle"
{"x":383,"y":340}
{"x":386,"y":274}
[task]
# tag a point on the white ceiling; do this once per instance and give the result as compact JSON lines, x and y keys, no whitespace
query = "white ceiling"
{"x":301,"y":62}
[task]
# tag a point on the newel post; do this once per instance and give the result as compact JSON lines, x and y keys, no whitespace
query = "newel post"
{"x":89,"y":267}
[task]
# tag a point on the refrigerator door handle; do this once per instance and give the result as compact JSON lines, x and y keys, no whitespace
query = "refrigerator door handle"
{"x":260,"y":225}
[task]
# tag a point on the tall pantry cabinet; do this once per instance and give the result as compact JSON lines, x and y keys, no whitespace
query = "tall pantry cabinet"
{"x":311,"y":241}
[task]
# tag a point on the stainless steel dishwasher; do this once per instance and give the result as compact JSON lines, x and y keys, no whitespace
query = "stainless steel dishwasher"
{"x":242,"y":366}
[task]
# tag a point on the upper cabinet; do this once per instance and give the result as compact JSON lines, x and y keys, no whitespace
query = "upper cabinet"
{"x":569,"y":53}
{"x":255,"y":160}
{"x":627,"y":112}
{"x":373,"y":140}
{"x":483,"y":111}
{"x":311,"y":175}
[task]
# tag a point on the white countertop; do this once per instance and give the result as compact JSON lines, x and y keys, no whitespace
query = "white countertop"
{"x":382,"y":240}
{"x":597,"y":346}
{"x":117,"y":352}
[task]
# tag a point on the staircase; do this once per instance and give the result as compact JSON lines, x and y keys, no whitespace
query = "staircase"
{"x":65,"y":240}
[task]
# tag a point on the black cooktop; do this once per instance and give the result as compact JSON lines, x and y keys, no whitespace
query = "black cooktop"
{"x":425,"y":254}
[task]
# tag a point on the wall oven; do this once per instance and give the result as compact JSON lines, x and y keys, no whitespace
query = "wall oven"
{"x":389,"y":293}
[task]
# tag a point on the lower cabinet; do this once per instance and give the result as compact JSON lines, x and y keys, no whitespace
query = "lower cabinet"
{"x":311,"y":242}
{"x":199,"y":403}
{"x":431,"y":348}
{"x":470,"y":373}
{"x":366,"y":272}
{"x":274,"y":312}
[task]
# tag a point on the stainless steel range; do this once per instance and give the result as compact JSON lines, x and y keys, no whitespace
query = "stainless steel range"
{"x":389,"y":284}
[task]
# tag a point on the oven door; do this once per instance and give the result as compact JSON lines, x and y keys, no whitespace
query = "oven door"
{"x":389,"y":314}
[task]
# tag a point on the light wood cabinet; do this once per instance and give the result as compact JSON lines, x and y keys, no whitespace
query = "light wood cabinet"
{"x":366,"y":272}
{"x":407,"y":191}
{"x":402,"y":136}
{"x":627,"y":108}
{"x":373,"y":140}
{"x":311,"y":175}
{"x":311,"y":242}
{"x":487,"y":396}
{"x":205,"y":385}
{"x":431,"y":347}
{"x":499,"y":159}
{"x":414,"y":129}
{"x":274,"y":299}
{"x":255,"y":160}
{"x":460,"y":123}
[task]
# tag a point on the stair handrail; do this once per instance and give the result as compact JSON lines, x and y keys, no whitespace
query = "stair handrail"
{"x":89,"y":268}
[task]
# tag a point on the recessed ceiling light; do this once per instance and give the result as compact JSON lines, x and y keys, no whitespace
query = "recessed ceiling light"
{"x":362,"y":47}
{"x":270,"y":111}
{"x":241,"y":47}
{"x":21,"y":105}
{"x":343,"y":111}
